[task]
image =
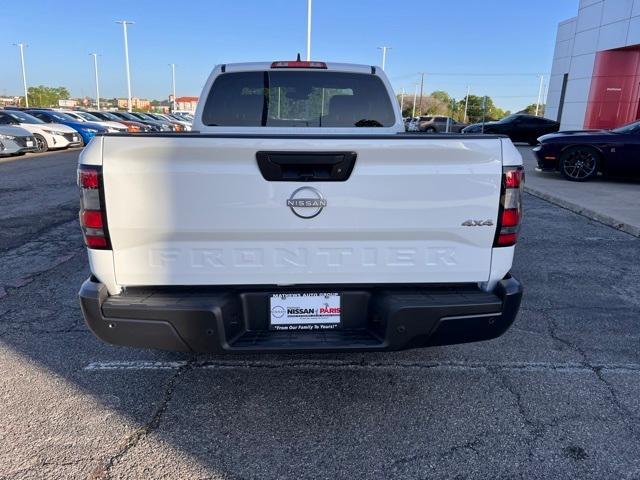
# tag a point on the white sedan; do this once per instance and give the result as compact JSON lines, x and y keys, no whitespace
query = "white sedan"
{"x":48,"y":136}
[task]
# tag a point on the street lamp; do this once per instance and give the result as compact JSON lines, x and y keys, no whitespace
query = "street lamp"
{"x":384,"y":55}
{"x":173,"y":82}
{"x":308,"y":30}
{"x":466,"y":105}
{"x":539,"y":94}
{"x":24,"y":74}
{"x":124,"y":24}
{"x":95,"y":65}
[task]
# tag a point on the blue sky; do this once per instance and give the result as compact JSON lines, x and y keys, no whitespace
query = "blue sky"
{"x":467,"y":38}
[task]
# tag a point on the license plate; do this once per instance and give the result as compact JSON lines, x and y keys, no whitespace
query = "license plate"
{"x":29,"y":143}
{"x":305,"y":311}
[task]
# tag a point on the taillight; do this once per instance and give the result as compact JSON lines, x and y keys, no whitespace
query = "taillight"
{"x":510,"y":214}
{"x":93,"y":218}
{"x":298,"y":64}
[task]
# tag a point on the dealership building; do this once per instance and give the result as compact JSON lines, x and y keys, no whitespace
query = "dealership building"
{"x":595,"y":77}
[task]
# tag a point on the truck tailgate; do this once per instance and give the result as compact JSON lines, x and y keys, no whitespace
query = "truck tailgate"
{"x":196,"y":210}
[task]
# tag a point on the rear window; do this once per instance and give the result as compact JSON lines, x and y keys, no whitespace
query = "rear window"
{"x":298,"y":99}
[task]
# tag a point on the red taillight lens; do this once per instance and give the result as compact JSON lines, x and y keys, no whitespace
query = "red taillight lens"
{"x":507,"y":239}
{"x":87,"y":178}
{"x":298,"y":64}
{"x":93,"y":219}
{"x":96,"y":242}
{"x":513,"y":178}
{"x":510,"y":207}
{"x":510,"y":218}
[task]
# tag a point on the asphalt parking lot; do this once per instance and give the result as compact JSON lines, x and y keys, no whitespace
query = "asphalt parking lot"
{"x":558,"y":396}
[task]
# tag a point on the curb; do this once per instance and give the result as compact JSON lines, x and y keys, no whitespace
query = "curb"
{"x":585,"y":212}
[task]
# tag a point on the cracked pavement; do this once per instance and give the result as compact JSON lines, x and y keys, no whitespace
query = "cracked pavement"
{"x":558,"y":396}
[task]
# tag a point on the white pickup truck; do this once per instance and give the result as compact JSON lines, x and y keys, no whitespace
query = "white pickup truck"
{"x":299,"y":216}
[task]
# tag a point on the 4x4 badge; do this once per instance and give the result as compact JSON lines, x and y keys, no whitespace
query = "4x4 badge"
{"x":477,"y":223}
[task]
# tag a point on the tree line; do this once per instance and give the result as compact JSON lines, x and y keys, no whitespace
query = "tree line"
{"x":441,"y":103}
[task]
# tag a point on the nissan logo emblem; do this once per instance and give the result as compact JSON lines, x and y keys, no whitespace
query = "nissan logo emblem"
{"x":306,"y":202}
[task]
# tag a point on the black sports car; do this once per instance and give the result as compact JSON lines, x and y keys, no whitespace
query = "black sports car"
{"x":580,"y":155}
{"x":519,"y":127}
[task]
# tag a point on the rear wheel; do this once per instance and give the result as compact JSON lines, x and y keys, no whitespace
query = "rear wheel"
{"x":41,"y":143}
{"x":430,"y":130}
{"x":579,"y":164}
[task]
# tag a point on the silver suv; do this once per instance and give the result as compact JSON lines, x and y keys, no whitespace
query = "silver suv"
{"x":438,"y":124}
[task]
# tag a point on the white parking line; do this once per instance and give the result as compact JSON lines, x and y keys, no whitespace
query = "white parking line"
{"x":141,"y":365}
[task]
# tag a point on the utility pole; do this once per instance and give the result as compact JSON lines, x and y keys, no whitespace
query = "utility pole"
{"x":24,"y":74}
{"x":466,"y":105}
{"x":308,"y":30}
{"x":95,"y":66}
{"x":124,"y":24}
{"x":484,"y":111}
{"x":384,"y":55}
{"x":415,"y":94}
{"x":539,"y":94}
{"x":173,"y":83}
{"x":421,"y":90}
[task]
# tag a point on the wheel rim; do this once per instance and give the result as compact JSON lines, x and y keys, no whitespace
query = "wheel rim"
{"x":580,"y":164}
{"x":40,"y":143}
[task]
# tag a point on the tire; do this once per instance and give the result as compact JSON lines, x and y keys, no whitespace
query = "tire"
{"x":430,"y":130}
{"x":41,"y":143}
{"x":579,"y":164}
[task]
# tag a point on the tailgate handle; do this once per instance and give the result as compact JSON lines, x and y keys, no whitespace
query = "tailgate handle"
{"x":306,"y":166}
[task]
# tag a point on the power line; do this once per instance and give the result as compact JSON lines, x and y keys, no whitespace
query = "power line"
{"x":477,"y":74}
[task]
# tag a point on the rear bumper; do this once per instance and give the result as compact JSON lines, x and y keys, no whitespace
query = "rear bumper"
{"x":231,"y":320}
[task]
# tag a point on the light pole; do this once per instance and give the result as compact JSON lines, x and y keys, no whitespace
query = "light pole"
{"x":466,"y":105}
{"x":421,"y":89}
{"x":384,"y":55}
{"x":124,"y":24}
{"x":539,"y":94}
{"x":308,"y":30}
{"x":24,"y":74}
{"x":173,"y":82}
{"x":95,"y":65}
{"x":401,"y":100}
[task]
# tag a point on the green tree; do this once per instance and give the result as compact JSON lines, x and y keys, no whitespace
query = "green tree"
{"x":480,"y":108}
{"x":42,"y":96}
{"x":441,"y":103}
{"x":442,"y":96}
{"x":531,"y":110}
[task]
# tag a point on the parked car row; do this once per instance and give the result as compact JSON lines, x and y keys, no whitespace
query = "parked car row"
{"x":578,"y":155}
{"x":24,"y":130}
{"x":433,"y":124}
{"x":518,"y":127}
{"x":35,"y":134}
